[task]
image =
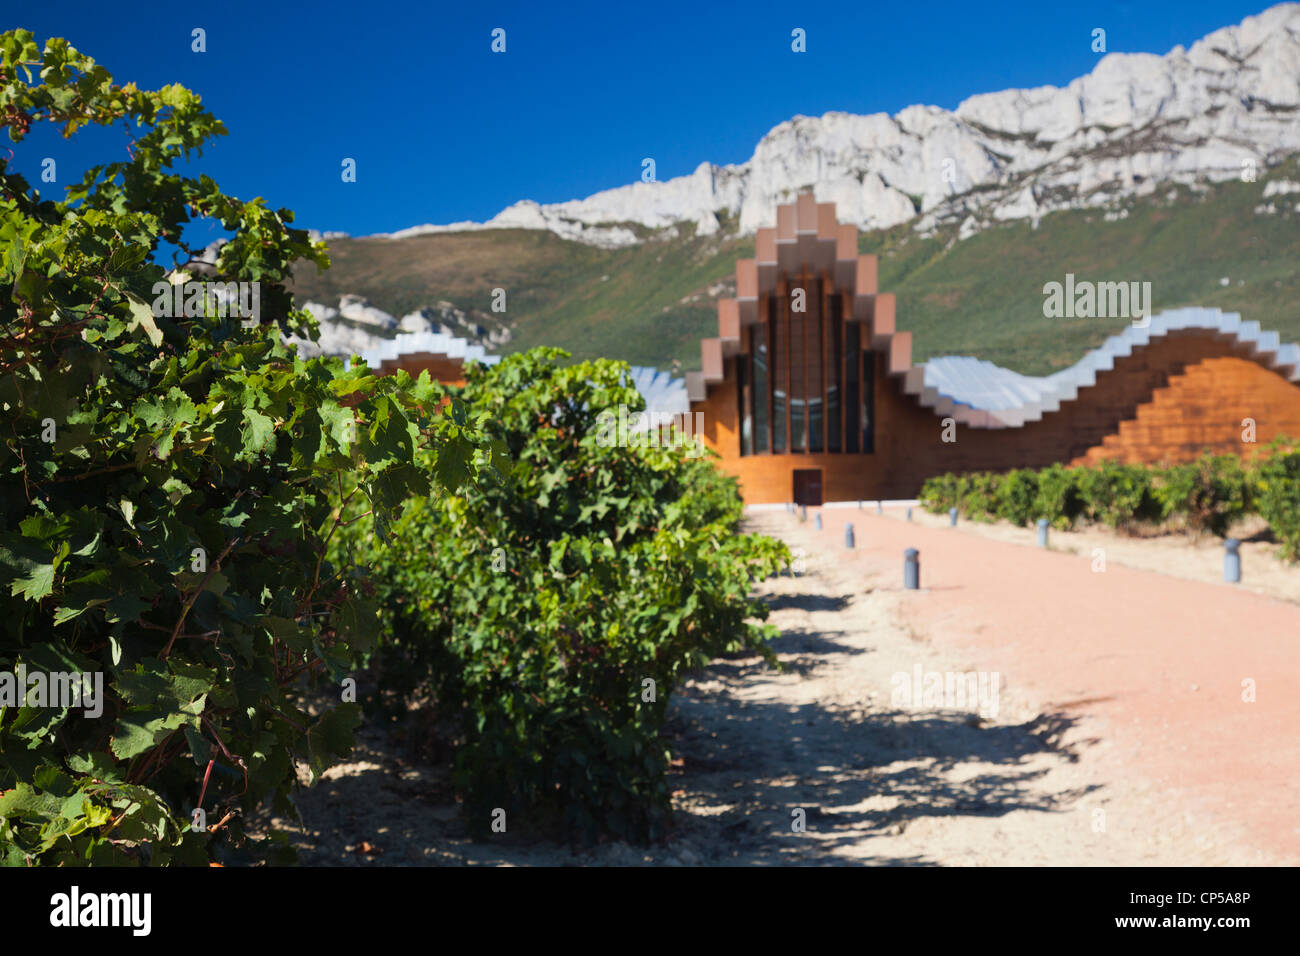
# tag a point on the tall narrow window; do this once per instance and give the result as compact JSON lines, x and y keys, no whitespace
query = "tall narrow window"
{"x":868,"y":402}
{"x":852,"y":363}
{"x":798,"y":372}
{"x":745,"y":393}
{"x":780,"y":370}
{"x":761,"y":388}
{"x":834,"y":352}
{"x":816,"y":385}
{"x":804,"y":379}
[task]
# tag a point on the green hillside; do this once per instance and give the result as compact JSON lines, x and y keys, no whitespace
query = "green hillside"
{"x":982,"y":296}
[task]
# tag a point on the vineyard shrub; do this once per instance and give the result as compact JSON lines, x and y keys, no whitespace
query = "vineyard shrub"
{"x":940,"y":493}
{"x":1059,"y":498}
{"x":979,"y":495}
{"x":1017,"y":495}
{"x":1276,"y":495}
{"x":546,"y":618}
{"x":1118,"y":495}
{"x":168,"y":483}
{"x":983,"y":496}
{"x":1208,"y":494}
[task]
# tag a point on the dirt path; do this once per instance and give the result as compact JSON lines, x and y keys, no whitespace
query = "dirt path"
{"x":1176,"y":554}
{"x":1100,"y":753}
{"x":1154,"y":665}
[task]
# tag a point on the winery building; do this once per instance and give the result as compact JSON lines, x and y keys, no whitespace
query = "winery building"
{"x":809,"y":392}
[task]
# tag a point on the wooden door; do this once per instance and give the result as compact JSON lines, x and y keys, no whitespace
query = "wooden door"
{"x":808,"y":487}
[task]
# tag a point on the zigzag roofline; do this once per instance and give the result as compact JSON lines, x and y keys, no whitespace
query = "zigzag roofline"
{"x":977,"y":394}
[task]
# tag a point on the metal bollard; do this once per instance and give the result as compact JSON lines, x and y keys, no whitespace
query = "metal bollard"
{"x":1231,"y":560}
{"x":880,"y":507}
{"x":859,"y":504}
{"x":1042,"y":532}
{"x":818,"y":518}
{"x":952,"y":517}
{"x":848,"y":536}
{"x":911,"y":569}
{"x":909,"y":514}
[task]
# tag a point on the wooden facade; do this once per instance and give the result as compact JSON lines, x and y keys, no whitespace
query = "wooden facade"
{"x":448,"y":369}
{"x":809,"y":393}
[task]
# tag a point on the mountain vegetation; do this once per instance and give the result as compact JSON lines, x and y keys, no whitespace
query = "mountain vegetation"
{"x":650,"y":303}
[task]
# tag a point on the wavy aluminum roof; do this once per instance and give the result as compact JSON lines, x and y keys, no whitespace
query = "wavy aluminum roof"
{"x":983,"y":394}
{"x":971,"y":390}
{"x":663,"y":394}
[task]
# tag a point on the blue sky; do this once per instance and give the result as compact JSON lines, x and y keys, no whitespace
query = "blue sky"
{"x":443,"y":129}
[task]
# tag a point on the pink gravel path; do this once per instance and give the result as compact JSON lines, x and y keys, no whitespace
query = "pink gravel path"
{"x":1160,"y":659}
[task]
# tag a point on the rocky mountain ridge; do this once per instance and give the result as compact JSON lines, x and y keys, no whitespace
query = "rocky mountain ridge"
{"x":1227,"y":107}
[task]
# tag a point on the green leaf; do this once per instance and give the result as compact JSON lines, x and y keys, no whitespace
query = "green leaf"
{"x":257,"y":432}
{"x":139,"y":731}
{"x":25,"y":802}
{"x":199,"y":747}
{"x":331,"y":737}
{"x":357,"y":622}
{"x":142,"y":317}
{"x":36,"y":585}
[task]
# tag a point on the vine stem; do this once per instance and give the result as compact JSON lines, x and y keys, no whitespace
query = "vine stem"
{"x":222,"y":822}
{"x":338,"y":516}
{"x":207,"y":774}
{"x":229,"y":756}
{"x":194,"y":597}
